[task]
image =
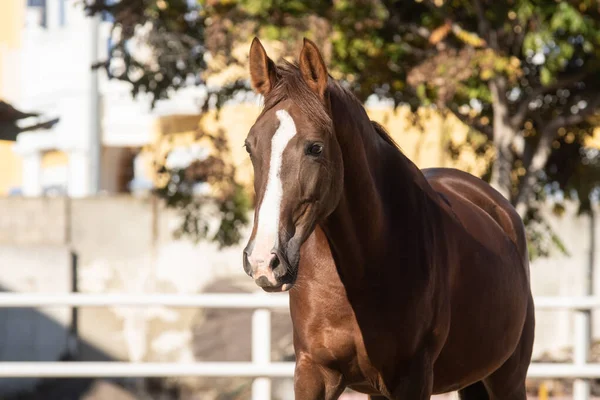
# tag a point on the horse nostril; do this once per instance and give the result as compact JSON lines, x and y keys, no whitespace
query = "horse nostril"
{"x":275,"y":262}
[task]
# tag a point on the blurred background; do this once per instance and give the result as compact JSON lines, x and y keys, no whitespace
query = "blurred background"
{"x":122,"y":168}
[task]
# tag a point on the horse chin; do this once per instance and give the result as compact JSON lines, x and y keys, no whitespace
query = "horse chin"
{"x":278,"y":289}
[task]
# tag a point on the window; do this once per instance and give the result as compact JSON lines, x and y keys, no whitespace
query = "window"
{"x":39,"y":10}
{"x":62,"y":17}
{"x":39,"y":7}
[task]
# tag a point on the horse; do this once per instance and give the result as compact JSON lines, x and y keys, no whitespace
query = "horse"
{"x":402,"y":282}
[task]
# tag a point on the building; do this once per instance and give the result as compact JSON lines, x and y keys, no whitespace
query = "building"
{"x":46,"y":50}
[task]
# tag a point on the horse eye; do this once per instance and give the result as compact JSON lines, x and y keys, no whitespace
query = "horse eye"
{"x":314,"y":149}
{"x":247,"y":147}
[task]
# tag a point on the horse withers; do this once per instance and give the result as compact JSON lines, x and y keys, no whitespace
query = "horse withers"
{"x":403,"y":283}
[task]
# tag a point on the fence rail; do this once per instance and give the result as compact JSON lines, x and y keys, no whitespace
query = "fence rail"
{"x":261,"y":368}
{"x":217,"y":300}
{"x":208,"y":300}
{"x":115,"y":369}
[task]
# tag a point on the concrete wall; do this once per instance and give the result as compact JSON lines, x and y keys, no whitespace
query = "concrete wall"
{"x":122,"y":244}
{"x":28,"y":334}
{"x":125,"y":244}
{"x":566,"y":275}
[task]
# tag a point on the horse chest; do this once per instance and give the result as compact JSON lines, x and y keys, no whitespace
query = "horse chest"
{"x":361,"y":343}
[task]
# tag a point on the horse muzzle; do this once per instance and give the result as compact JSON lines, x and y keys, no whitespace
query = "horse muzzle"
{"x":270,"y":271}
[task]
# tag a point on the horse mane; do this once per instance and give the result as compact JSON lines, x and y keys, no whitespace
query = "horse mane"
{"x":384,"y":134}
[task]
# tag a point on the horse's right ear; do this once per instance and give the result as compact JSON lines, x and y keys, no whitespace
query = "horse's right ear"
{"x":263,"y":73}
{"x":313,"y":68}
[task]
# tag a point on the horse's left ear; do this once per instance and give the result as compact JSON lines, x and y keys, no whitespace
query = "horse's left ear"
{"x":263,"y":73}
{"x":313,"y":68}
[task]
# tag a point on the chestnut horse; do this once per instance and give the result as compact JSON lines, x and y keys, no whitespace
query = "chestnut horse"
{"x":403,"y":282}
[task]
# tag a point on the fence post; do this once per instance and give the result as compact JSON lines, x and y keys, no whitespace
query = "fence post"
{"x":583,"y":321}
{"x":261,"y":351}
{"x":581,"y":348}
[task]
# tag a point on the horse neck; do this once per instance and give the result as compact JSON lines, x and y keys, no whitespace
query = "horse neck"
{"x":358,"y":228}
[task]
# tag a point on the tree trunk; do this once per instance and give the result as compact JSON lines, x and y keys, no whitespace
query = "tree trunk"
{"x":504,"y":134}
{"x":534,"y":161}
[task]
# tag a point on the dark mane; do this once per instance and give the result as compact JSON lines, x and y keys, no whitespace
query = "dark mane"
{"x":291,"y":85}
{"x":385,"y":135}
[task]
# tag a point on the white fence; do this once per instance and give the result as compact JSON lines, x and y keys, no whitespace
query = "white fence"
{"x":261,"y":368}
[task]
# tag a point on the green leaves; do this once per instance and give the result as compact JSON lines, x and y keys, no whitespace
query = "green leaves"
{"x":545,"y":76}
{"x":567,"y":18}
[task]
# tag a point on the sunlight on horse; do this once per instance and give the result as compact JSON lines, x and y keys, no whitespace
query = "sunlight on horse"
{"x":403,"y":282}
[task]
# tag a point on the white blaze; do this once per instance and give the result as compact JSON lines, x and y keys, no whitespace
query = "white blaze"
{"x":270,"y":208}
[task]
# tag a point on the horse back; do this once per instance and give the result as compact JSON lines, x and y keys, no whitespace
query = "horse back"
{"x":490,"y":277}
{"x":470,"y":189}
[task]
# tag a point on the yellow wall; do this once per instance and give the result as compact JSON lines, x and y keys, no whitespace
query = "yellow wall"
{"x":424,"y":147}
{"x":12,"y":17}
{"x":55,"y":158}
{"x":10,"y":167}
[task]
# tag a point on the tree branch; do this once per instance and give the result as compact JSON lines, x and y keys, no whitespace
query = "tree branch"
{"x":41,"y":125}
{"x":523,"y":106}
{"x":484,"y":26}
{"x":574,"y":119}
{"x":535,"y":159}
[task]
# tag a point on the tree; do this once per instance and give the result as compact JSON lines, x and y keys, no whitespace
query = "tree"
{"x":9,"y":116}
{"x":521,"y":73}
{"x":180,"y":187}
{"x":167,"y":54}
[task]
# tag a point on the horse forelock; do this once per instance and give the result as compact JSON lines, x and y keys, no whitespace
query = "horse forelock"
{"x":290,"y":85}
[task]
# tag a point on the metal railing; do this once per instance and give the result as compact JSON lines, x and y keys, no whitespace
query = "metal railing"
{"x":261,"y":368}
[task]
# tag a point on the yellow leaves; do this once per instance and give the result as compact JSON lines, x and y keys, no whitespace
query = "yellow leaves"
{"x":593,"y":140}
{"x":490,"y":64}
{"x":398,"y":85}
{"x":470,"y":38}
{"x":486,"y":74}
{"x":519,"y":170}
{"x":529,"y":129}
{"x":514,"y":62}
{"x":440,"y":33}
{"x":562,"y":131}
